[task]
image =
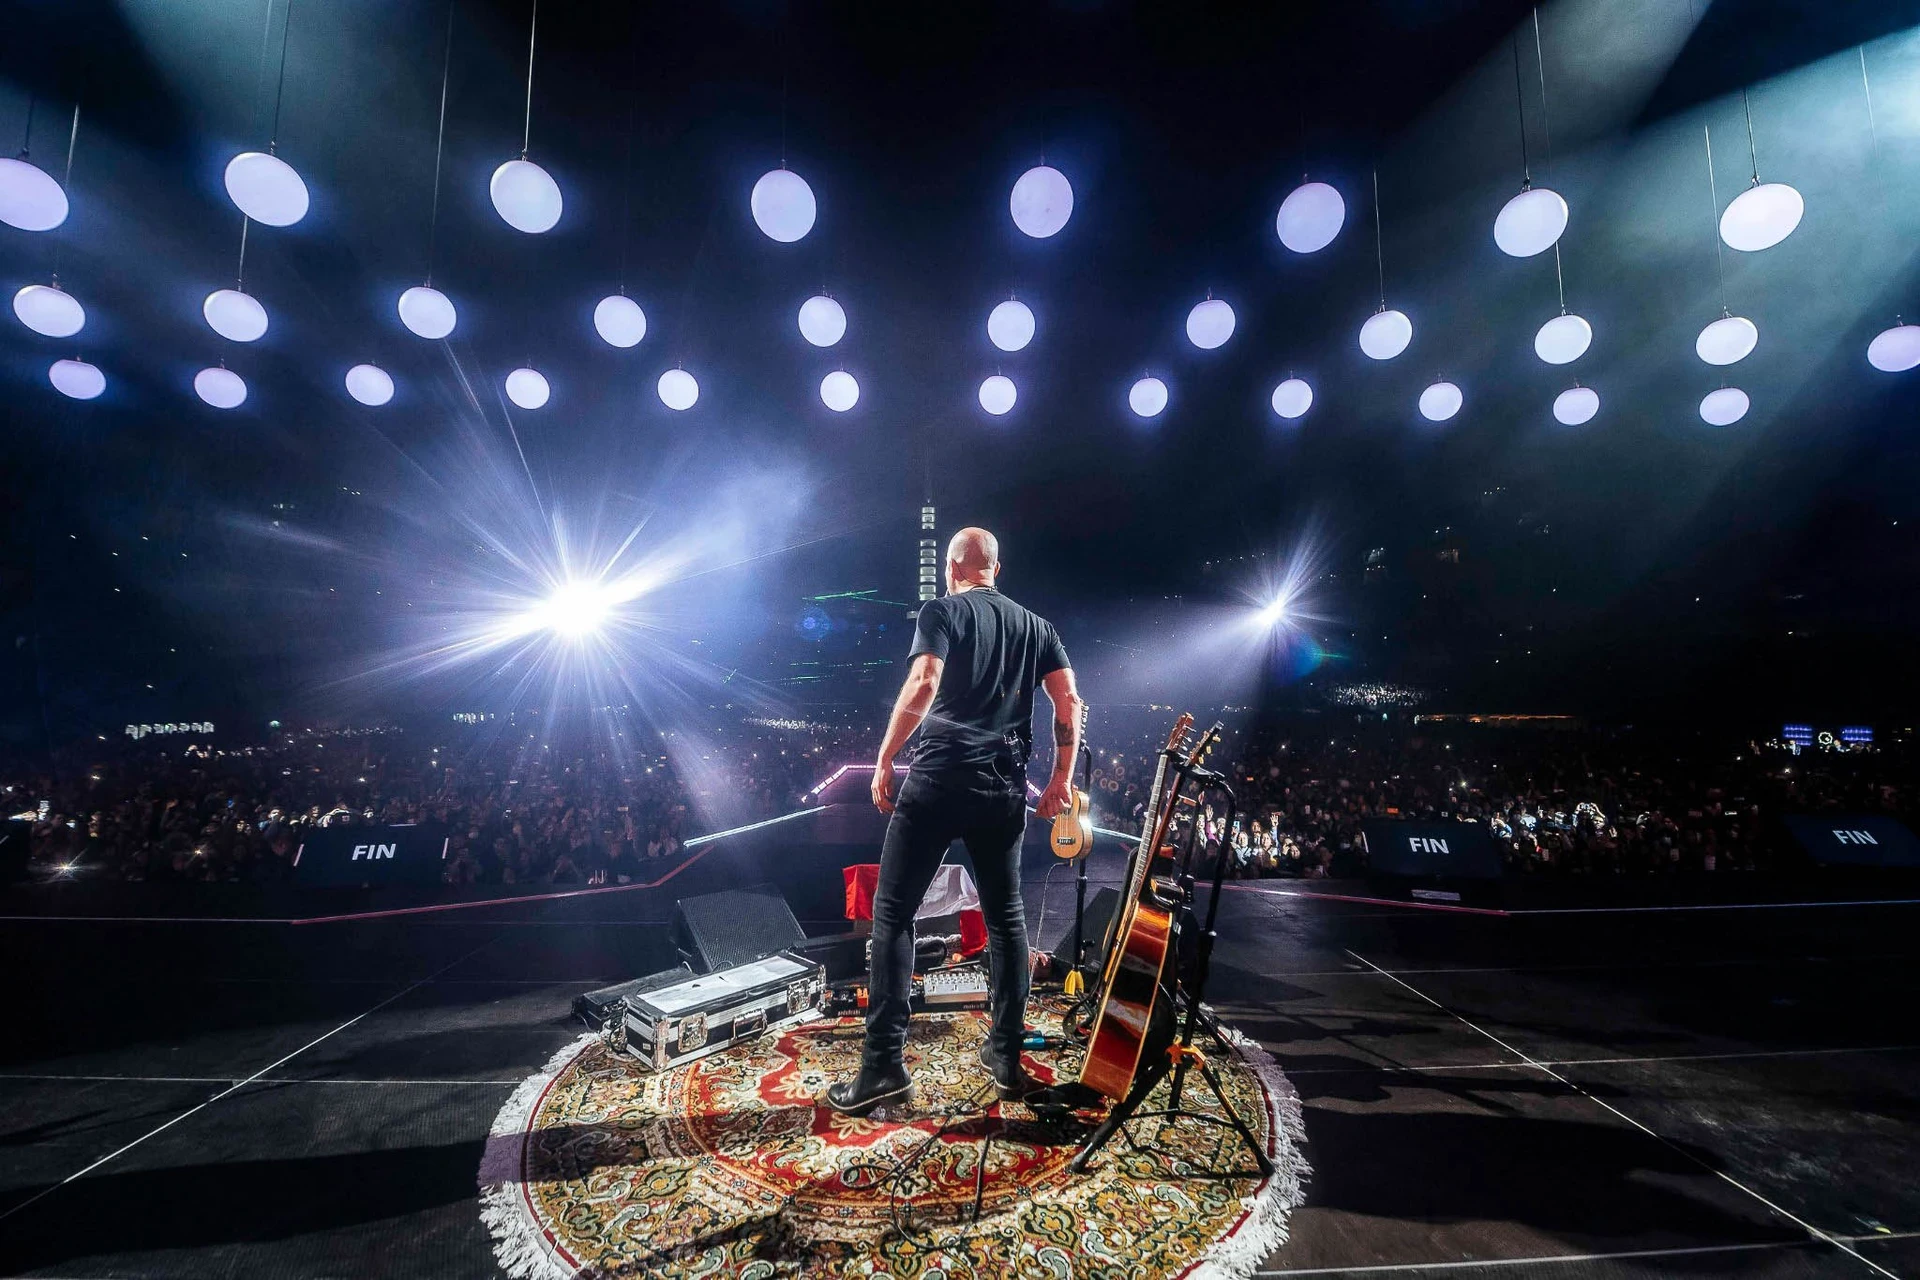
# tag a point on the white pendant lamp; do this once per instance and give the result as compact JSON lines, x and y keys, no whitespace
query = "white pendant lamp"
{"x":528,"y":388}
{"x":1440,"y":402}
{"x":619,"y":320}
{"x":1386,"y":334}
{"x":997,"y":395}
{"x":1310,"y":217}
{"x":49,"y":310}
{"x":839,"y":391}
{"x":782,"y":205}
{"x":1292,"y":398}
{"x":30,"y":199}
{"x":76,"y":379}
{"x":370,"y":385}
{"x":1728,"y":340}
{"x":1761,"y":217}
{"x":1766,"y":212}
{"x":220,"y":387}
{"x":1895,"y":350}
{"x":1724,"y":407}
{"x":678,"y":390}
{"x":235,"y":316}
{"x":823,"y":321}
{"x":1147,"y":397}
{"x":1530,"y":223}
{"x":427,"y":312}
{"x":1576,"y":406}
{"x":1209,"y":324}
{"x":1041,"y":202}
{"x":1010,"y":325}
{"x":266,"y":188}
{"x":1563,"y":339}
{"x":525,"y":196}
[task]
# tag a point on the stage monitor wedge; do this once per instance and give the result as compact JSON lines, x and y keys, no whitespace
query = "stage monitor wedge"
{"x":734,"y":927}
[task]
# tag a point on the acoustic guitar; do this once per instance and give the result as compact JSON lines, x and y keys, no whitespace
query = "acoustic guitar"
{"x":1140,"y":939}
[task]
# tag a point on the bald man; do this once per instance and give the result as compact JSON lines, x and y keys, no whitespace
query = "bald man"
{"x":976,"y":659}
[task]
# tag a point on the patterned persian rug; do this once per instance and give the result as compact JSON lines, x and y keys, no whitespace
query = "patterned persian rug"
{"x":729,"y":1167}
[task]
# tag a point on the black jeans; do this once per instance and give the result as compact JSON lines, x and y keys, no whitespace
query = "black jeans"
{"x":930,"y":813}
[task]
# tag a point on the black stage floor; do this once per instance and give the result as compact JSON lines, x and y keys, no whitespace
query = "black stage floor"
{"x":1617,"y":1093}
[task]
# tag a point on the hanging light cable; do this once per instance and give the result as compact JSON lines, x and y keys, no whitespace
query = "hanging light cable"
{"x":424,"y":309}
{"x":524,"y":195}
{"x":1386,"y":333}
{"x":1894,"y":350}
{"x":1566,"y":337}
{"x":1532,"y":221}
{"x":1731,"y":338}
{"x":1766,"y":212}
{"x":48,"y":309}
{"x":617,"y":318}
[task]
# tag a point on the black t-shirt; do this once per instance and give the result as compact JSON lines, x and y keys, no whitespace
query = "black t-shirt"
{"x":995,"y":652}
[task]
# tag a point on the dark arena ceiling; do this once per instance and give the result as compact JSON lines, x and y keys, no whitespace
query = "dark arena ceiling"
{"x":305,"y":550}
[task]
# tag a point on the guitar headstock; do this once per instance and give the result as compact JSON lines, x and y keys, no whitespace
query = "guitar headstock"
{"x":1177,"y":739}
{"x":1204,"y":747}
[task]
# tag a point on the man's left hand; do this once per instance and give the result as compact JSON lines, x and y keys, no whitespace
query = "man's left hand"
{"x":1055,"y":799}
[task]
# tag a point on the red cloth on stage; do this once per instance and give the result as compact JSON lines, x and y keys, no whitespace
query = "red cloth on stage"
{"x":861,"y":879}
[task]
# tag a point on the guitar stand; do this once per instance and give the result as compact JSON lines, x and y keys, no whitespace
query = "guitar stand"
{"x":1185,"y":998}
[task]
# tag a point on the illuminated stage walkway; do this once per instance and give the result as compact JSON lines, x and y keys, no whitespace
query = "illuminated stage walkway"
{"x":1612,"y":1094}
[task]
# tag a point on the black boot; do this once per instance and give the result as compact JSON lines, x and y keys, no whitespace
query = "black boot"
{"x":873,"y":1087}
{"x":1010,"y":1079}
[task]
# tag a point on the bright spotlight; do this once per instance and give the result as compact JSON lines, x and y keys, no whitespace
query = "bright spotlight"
{"x":576,"y":610}
{"x":1275,"y":612}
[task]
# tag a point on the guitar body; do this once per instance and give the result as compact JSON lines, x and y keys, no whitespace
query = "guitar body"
{"x":1131,"y":1018}
{"x":1072,"y":828}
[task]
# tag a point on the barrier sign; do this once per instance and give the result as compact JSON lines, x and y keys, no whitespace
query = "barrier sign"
{"x":1456,"y":849}
{"x":415,"y":854}
{"x":1856,"y":839}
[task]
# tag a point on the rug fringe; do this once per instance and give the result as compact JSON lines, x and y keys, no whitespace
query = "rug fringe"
{"x":518,"y":1243}
{"x":1239,"y":1255}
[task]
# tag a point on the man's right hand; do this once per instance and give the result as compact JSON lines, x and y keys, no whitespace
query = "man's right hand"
{"x":883,"y":786}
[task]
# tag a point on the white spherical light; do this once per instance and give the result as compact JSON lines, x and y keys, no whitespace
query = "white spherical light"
{"x":619,"y":320}
{"x":235,"y":316}
{"x":1724,"y":407}
{"x":49,"y":310}
{"x":1386,"y":334}
{"x":221,"y":388}
{"x":1440,"y":401}
{"x":1010,"y":325}
{"x":370,"y":385}
{"x":1727,"y":340}
{"x":839,"y":392}
{"x":678,"y":390}
{"x":1761,"y":217}
{"x":823,"y":321}
{"x":29,"y":198}
{"x":1042,"y":201}
{"x":525,"y":196}
{"x":1147,"y":397}
{"x":1895,"y":350}
{"x":782,"y":205}
{"x":1292,"y":398}
{"x":1209,"y":324}
{"x":528,"y":388}
{"x":427,"y":311}
{"x":1310,"y":217}
{"x":997,"y":395}
{"x":1563,"y":339}
{"x":76,"y":379}
{"x":266,"y":189}
{"x":1576,"y":406}
{"x":1530,"y":222}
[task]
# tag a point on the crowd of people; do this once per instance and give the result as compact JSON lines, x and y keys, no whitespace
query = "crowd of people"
{"x":521,"y":809}
{"x":518,"y":808}
{"x":1554,"y":802}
